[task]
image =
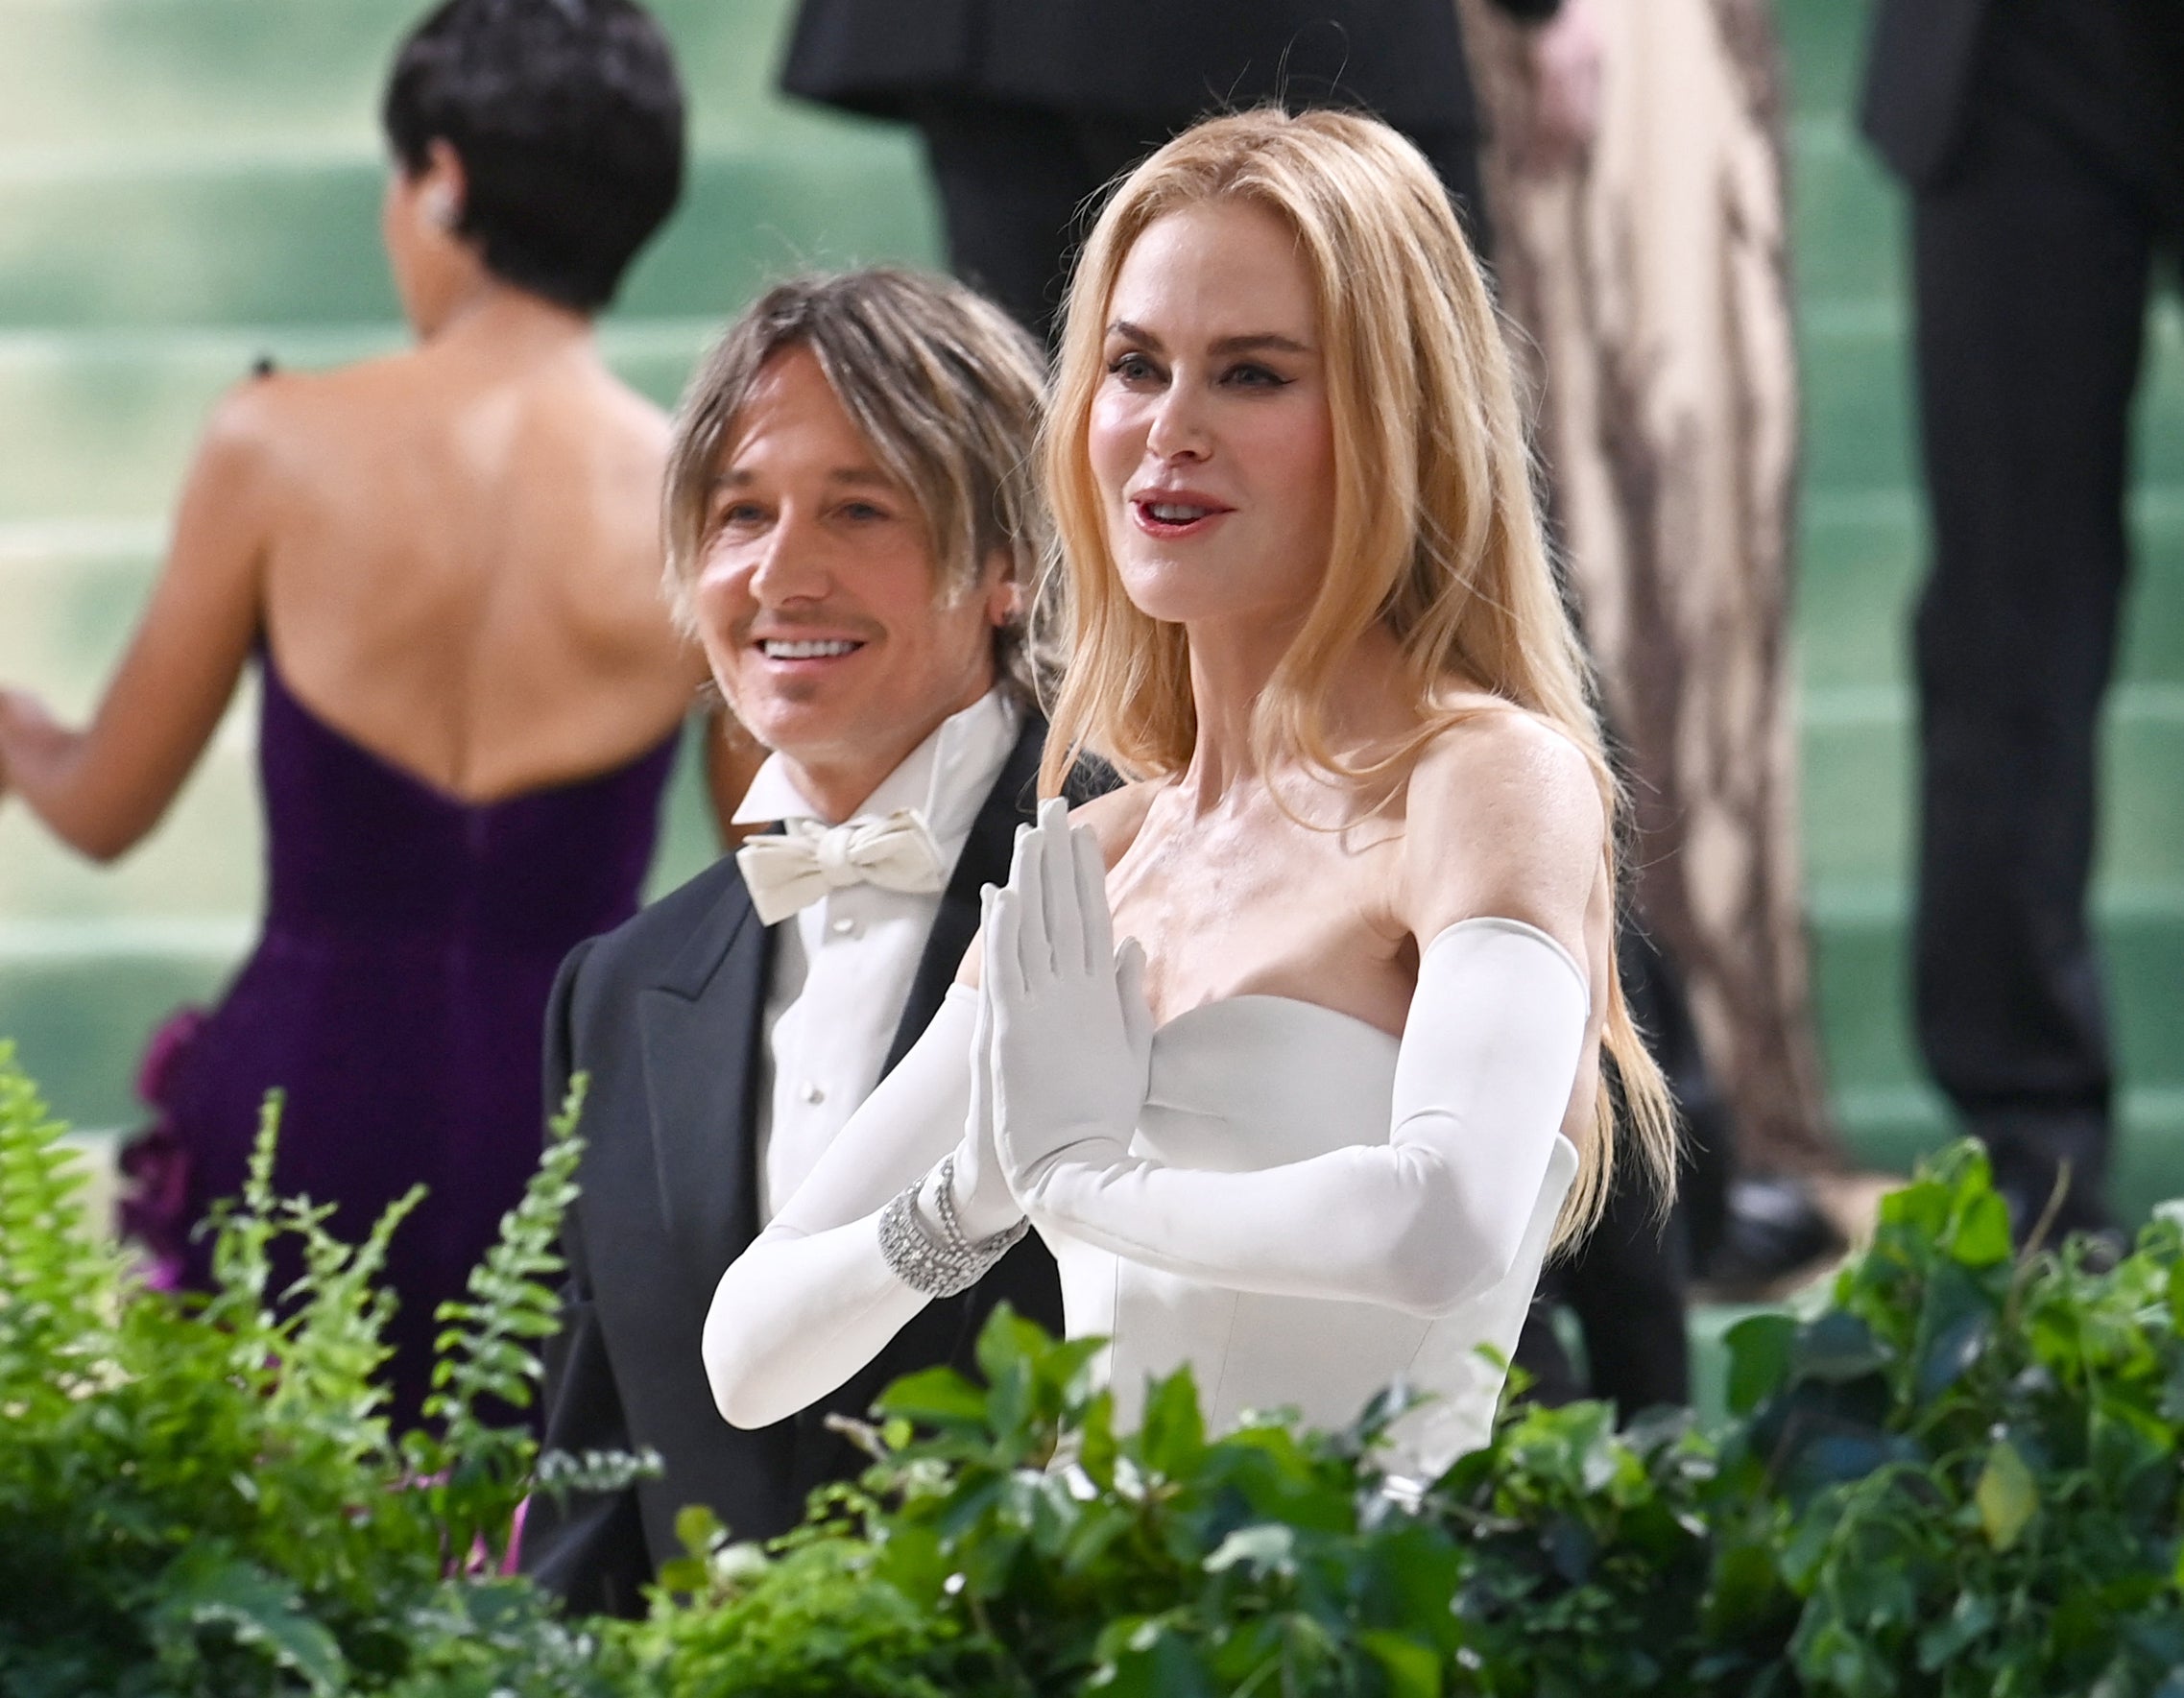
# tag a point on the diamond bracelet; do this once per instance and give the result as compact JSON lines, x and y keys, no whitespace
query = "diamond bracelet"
{"x":950,"y":1265}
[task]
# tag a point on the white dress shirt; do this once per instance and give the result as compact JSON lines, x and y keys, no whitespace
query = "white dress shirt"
{"x":843,"y":966}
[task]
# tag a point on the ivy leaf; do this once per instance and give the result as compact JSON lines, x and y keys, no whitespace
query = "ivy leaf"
{"x":698,"y":1530}
{"x":1413,"y":1669}
{"x":937,"y":1396}
{"x":1759,"y":1357}
{"x":2007,"y":1496}
{"x":1835,"y":1348}
{"x":1969,"y":1621}
{"x":209,"y":1589}
{"x":1173,"y":1437}
{"x":1981,"y":1238}
{"x":1268,"y":1547}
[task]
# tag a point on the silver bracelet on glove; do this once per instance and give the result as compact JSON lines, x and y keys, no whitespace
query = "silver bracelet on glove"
{"x":950,"y":1265}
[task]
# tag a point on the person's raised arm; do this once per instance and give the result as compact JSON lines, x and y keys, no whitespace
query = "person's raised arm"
{"x":102,"y":789}
{"x":816,"y":1296}
{"x":1502,"y":878}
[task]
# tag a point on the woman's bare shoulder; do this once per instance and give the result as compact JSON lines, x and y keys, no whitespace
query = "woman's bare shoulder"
{"x":1115,"y":818}
{"x":1504,"y":813}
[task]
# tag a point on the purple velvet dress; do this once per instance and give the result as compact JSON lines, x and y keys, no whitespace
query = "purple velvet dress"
{"x":395,"y":997}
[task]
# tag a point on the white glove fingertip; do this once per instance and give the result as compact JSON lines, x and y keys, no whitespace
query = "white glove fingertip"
{"x":1004,"y":967}
{"x":1097,"y":924}
{"x":1130,"y":987}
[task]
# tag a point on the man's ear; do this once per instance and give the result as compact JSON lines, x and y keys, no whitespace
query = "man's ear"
{"x":1005,"y":599}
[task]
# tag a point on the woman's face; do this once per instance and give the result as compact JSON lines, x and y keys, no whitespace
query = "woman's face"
{"x":1209,"y":435}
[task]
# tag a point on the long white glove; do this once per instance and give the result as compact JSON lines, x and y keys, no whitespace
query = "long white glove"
{"x":1071,"y":1036}
{"x":1421,"y":1223}
{"x":812,"y":1299}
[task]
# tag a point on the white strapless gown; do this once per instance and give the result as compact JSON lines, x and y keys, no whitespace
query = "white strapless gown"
{"x":1255,"y":1082}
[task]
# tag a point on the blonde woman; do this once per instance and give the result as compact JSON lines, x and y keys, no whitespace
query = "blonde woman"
{"x":1318,"y":1126}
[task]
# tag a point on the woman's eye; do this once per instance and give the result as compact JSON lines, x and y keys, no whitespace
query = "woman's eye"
{"x":862,"y":511}
{"x":738,"y":512}
{"x":1254,"y":377}
{"x":1132,"y":367}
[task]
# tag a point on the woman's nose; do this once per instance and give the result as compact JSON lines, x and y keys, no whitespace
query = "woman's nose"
{"x":1178,"y":428}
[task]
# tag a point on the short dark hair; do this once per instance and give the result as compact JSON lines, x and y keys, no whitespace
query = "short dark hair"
{"x":567,"y":116}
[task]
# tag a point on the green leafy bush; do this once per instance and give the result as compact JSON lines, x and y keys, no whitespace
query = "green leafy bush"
{"x":1959,"y":1474}
{"x":203,"y":1497}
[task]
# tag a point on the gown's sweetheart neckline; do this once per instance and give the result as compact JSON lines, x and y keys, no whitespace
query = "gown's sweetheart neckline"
{"x":1359,"y":1022}
{"x":431,"y":789}
{"x":1391,"y":1038}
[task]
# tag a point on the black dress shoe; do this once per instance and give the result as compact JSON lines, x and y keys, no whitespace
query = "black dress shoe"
{"x":1773,"y":1235}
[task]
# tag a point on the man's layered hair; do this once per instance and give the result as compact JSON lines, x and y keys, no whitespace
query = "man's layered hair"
{"x":946,"y":388}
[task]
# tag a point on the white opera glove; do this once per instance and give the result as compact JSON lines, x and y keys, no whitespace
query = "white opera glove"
{"x":1071,"y":1038}
{"x":1422,"y":1214}
{"x":983,"y":1202}
{"x":814,"y":1299}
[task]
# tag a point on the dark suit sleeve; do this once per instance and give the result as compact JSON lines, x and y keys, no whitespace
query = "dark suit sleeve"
{"x":589,"y":1550}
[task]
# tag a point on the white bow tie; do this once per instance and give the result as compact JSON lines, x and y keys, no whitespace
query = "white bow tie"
{"x":794,"y":870}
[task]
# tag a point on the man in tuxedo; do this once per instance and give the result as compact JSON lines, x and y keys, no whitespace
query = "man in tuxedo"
{"x":853,"y":550}
{"x":1027,"y":111}
{"x":2040,"y":142}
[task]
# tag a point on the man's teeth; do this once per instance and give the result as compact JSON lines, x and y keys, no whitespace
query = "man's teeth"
{"x":1168,"y":513}
{"x":806,"y":651}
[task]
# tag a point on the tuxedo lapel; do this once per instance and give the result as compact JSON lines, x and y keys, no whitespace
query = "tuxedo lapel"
{"x":1013,"y":801}
{"x":700,"y":1026}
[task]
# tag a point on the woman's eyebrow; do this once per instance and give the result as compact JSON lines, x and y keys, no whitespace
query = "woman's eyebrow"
{"x":1257,"y":342}
{"x":1262,"y":342}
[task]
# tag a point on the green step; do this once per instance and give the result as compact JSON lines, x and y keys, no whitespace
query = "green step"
{"x":1824,"y":42}
{"x":1862,"y":977}
{"x":82,"y":73}
{"x":1861,"y":555}
{"x":268,"y":239}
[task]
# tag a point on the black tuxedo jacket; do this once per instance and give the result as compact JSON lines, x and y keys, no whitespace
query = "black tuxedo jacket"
{"x":1162,"y":61}
{"x":664,"y":1016}
{"x":1918,"y":80}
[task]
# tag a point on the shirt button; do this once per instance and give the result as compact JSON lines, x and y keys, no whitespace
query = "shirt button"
{"x":814,"y":1093}
{"x":845,"y":926}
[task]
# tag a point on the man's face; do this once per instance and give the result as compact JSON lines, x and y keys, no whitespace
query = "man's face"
{"x":817,"y":597}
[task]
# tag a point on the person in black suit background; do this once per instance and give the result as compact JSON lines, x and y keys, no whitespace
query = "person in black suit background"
{"x":854,"y":551}
{"x":1027,"y":111}
{"x":2040,"y":141}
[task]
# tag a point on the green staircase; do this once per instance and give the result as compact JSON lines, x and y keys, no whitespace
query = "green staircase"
{"x":189,"y":184}
{"x":1861,"y":554}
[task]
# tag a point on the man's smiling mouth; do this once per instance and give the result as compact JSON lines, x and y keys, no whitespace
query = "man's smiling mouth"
{"x":806,"y":648}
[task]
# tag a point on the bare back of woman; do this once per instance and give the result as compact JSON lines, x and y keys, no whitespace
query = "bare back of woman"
{"x":461,"y":569}
{"x":447,"y":565}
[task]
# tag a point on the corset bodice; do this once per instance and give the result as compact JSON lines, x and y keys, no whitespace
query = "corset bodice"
{"x":1255,"y":1082}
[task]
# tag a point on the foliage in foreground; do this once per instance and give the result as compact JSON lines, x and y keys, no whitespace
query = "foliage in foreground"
{"x":202,"y":1496}
{"x":1958,"y":1477}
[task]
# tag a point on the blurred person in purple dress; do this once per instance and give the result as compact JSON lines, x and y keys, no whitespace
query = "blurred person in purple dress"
{"x":444,"y":565}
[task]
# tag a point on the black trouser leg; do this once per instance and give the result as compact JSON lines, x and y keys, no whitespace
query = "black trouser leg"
{"x":2031,"y":268}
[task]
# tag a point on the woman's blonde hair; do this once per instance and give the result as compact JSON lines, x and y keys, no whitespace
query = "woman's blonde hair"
{"x":1435,"y":528}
